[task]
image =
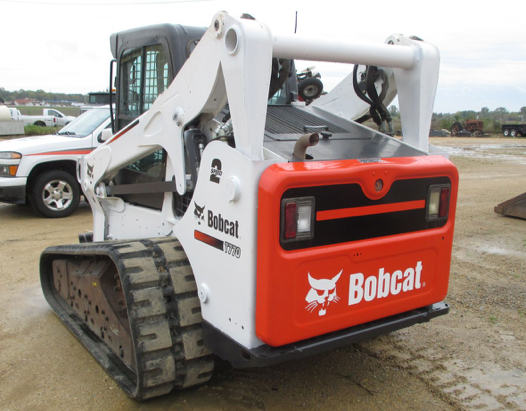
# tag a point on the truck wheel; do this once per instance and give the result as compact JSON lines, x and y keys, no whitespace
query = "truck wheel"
{"x":506,"y":132}
{"x":513,"y":132}
{"x":40,"y":124}
{"x":55,"y":194}
{"x":478,"y":133}
{"x":456,"y":128}
{"x":310,"y":89}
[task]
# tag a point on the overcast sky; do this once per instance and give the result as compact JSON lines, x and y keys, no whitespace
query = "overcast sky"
{"x":63,"y":45}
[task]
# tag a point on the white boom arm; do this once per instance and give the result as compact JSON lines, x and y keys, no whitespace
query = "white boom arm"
{"x":232,"y":62}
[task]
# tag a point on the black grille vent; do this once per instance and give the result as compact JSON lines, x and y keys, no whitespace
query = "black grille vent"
{"x":181,"y":203}
{"x":288,"y":122}
{"x":341,"y":230}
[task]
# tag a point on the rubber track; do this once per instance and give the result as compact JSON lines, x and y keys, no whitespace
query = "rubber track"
{"x":163,"y":310}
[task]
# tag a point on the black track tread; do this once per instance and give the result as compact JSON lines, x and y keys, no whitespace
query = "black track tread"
{"x":163,"y":310}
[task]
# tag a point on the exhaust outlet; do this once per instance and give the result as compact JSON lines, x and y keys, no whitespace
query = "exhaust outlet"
{"x":305,"y":141}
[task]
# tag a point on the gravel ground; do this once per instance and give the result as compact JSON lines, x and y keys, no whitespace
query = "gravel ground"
{"x":471,"y":359}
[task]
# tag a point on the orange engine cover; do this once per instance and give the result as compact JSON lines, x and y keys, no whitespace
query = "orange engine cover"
{"x":373,"y":253}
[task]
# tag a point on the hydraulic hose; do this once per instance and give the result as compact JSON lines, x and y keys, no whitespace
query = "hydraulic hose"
{"x":378,"y":112}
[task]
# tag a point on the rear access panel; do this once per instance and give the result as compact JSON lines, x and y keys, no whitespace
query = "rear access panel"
{"x":374,"y":252}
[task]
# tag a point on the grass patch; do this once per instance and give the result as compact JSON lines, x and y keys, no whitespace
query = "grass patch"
{"x":32,"y":130}
{"x":493,"y":320}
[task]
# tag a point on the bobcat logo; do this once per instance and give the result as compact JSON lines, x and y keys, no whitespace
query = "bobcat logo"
{"x":90,"y":170}
{"x":322,"y":293}
{"x":199,"y":213}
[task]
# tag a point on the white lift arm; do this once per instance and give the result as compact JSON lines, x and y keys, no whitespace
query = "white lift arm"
{"x":233,"y":62}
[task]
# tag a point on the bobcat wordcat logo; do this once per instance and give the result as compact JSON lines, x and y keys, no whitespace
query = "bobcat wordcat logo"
{"x":323,"y":291}
{"x":384,"y":284}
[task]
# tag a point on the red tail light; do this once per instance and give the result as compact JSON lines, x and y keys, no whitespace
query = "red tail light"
{"x":438,"y":202}
{"x":290,"y":222}
{"x":444,"y":202}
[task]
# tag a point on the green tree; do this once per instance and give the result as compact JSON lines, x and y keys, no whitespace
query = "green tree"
{"x":468,"y":114}
{"x":446,"y":123}
{"x":40,"y":95}
{"x":496,"y":125}
{"x":394,"y":111}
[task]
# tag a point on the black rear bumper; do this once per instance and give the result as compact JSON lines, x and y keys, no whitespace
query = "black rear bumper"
{"x":240,"y":357}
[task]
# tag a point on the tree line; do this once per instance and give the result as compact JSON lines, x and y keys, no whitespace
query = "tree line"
{"x":40,"y":95}
{"x":493,"y":119}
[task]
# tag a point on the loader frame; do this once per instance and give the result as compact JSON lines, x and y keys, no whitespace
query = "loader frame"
{"x":236,"y":51}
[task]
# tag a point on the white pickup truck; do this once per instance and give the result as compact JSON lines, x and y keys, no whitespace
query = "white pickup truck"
{"x":42,"y":170}
{"x":50,"y":117}
{"x":62,"y":119}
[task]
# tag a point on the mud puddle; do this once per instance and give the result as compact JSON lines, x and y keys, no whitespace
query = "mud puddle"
{"x":492,"y":152}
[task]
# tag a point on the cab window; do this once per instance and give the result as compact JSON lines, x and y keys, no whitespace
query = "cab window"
{"x":143,"y":76}
{"x":149,"y":169}
{"x":54,"y":113}
{"x":131,"y":84}
{"x":156,"y":74}
{"x":151,"y":165}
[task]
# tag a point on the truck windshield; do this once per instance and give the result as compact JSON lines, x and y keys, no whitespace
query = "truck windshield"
{"x":86,"y":123}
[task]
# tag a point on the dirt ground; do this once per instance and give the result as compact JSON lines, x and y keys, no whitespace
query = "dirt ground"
{"x":472,"y":359}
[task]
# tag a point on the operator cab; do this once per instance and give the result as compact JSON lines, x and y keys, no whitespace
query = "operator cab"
{"x":148,"y":59}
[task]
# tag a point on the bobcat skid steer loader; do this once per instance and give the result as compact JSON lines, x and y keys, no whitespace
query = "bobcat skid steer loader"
{"x":231,"y":220}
